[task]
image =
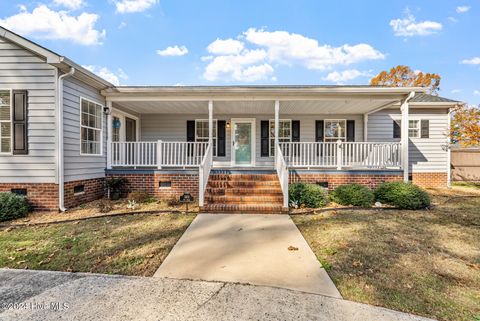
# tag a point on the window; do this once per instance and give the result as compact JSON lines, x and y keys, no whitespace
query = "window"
{"x":5,"y":122}
{"x":201,"y":132}
{"x":284,"y":133}
{"x":91,"y":128}
{"x":414,"y":128}
{"x":335,"y":129}
{"x":116,"y":124}
{"x":79,"y":190}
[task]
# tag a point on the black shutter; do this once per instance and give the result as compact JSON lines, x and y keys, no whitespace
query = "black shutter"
{"x":397,"y":132}
{"x":264,"y":152}
{"x":190,"y":135}
{"x":350,"y":130}
{"x":425,"y":128}
{"x":221,"y":141}
{"x":20,"y":127}
{"x":295,"y":131}
{"x":319,"y":130}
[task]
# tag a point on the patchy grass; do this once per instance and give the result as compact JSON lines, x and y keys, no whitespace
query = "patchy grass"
{"x":474,"y":185}
{"x":129,"y":245}
{"x":421,"y":262}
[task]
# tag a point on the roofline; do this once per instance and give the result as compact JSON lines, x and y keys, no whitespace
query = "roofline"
{"x":260,"y":90}
{"x":52,"y":58}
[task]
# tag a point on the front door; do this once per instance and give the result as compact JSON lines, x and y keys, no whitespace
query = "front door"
{"x":243,"y":142}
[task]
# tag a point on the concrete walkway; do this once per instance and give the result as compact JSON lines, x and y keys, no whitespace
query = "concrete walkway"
{"x":251,"y":249}
{"x":51,"y":296}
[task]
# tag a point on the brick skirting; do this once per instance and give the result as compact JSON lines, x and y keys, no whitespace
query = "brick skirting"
{"x":370,"y":179}
{"x":179,"y":182}
{"x":41,"y":196}
{"x":434,"y":179}
{"x":93,"y":189}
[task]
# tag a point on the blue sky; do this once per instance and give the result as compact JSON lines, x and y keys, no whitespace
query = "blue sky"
{"x":213,"y":42}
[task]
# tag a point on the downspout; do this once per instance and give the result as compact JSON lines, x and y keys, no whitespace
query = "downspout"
{"x":404,"y":136}
{"x":60,"y":165}
{"x":449,"y":150}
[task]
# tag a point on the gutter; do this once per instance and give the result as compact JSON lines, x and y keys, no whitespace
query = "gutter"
{"x":60,"y":151}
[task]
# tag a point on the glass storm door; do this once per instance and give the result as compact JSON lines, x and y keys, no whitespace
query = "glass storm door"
{"x":242,"y":143}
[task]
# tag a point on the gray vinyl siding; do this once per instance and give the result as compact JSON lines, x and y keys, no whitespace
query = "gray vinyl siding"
{"x":20,"y":69}
{"x":173,"y":128}
{"x":425,"y":154}
{"x":80,"y":167}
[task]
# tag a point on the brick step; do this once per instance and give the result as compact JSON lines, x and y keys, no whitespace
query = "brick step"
{"x":244,"y":177}
{"x":243,"y":184}
{"x":244,"y":208}
{"x":240,"y":199}
{"x":260,"y":191}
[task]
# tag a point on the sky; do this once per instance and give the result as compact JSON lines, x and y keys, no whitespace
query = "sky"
{"x":273,"y":42}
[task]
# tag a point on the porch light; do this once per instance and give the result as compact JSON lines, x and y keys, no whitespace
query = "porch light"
{"x":228,"y":124}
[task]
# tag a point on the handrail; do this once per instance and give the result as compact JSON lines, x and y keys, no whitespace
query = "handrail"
{"x":283,"y":173}
{"x":204,"y":173}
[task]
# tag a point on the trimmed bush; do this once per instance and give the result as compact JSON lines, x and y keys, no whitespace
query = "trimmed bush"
{"x":12,"y":206}
{"x":402,"y":195}
{"x":307,"y":195}
{"x":353,"y":194}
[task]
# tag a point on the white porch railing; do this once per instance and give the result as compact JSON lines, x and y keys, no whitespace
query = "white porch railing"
{"x":157,"y":154}
{"x":342,"y":154}
{"x":282,"y":172}
{"x":204,"y":173}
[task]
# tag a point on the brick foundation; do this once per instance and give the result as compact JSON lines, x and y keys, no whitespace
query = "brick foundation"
{"x":370,"y":179}
{"x":93,"y":189}
{"x":434,"y":179}
{"x":41,"y":196}
{"x":180,"y":182}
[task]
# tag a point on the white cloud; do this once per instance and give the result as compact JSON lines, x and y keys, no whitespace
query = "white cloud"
{"x":452,"y":19}
{"x":344,"y":76}
{"x":476,"y":92}
{"x":108,"y":75}
{"x":225,"y":47}
{"x":173,"y":51}
{"x":232,"y":59}
{"x":250,"y":65}
{"x":455,"y":91}
{"x":122,"y":25}
{"x":45,"y":23}
{"x":70,"y":4}
{"x":131,"y":6}
{"x":408,"y":26}
{"x":462,"y":9}
{"x":472,"y":61}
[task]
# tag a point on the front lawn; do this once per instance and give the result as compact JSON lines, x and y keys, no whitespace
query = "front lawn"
{"x":129,"y":245}
{"x":423,"y":262}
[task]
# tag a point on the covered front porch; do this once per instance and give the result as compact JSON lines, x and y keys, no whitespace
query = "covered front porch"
{"x":281,"y":129}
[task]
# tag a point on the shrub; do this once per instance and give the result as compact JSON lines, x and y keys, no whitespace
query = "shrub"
{"x":353,"y":194}
{"x":308,"y":195}
{"x":139,"y":196}
{"x":12,"y":206}
{"x":402,"y":195}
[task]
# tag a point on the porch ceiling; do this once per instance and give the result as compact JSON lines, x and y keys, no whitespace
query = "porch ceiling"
{"x":324,"y":106}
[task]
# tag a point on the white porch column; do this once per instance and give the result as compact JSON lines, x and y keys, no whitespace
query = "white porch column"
{"x":210,"y":123}
{"x":109,"y":135}
{"x":404,"y":135}
{"x":365,"y":127}
{"x":277,"y":124}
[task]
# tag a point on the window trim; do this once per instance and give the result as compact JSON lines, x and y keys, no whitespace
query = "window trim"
{"x":270,"y":134}
{"x":10,"y":153}
{"x":330,"y":139}
{"x":214,"y":138}
{"x":88,"y":127}
{"x":418,"y":128}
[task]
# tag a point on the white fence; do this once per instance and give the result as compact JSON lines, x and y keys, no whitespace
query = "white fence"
{"x":342,"y":154}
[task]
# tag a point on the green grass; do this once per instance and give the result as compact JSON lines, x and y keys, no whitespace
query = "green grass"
{"x":474,"y":185}
{"x":129,"y":245}
{"x":421,"y":262}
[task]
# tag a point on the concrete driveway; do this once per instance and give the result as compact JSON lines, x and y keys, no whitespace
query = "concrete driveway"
{"x":254,"y":249}
{"x":52,"y":296}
